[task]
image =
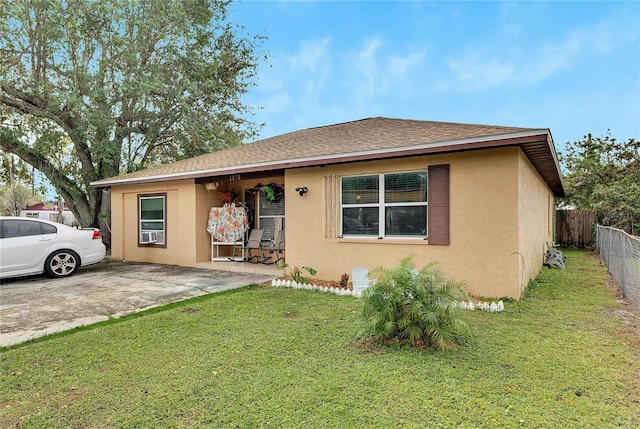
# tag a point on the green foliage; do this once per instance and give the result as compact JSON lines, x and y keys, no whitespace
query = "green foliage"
{"x":17,"y":190}
{"x":603,"y":174}
{"x":13,"y":169}
{"x":273,"y":192}
{"x":268,"y":190}
{"x":13,"y":198}
{"x":410,"y":305}
{"x":92,"y":89}
{"x":296,"y":273}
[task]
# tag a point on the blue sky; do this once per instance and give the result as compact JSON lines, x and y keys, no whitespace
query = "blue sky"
{"x":572,"y":67}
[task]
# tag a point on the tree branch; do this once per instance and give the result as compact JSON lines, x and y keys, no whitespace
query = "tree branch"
{"x":27,"y":104}
{"x":71,"y":192}
{"x":37,"y":107}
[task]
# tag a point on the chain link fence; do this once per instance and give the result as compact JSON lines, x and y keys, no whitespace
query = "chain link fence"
{"x":621,"y":252}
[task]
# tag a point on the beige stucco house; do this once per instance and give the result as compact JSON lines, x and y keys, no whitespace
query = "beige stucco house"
{"x":477,"y":198}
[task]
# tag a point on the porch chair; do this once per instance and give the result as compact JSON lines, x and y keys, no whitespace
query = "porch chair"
{"x":277,"y":247}
{"x":554,"y":257}
{"x":253,"y":242}
{"x":359,"y":280}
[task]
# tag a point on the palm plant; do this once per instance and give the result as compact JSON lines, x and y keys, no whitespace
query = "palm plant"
{"x":418,"y":306}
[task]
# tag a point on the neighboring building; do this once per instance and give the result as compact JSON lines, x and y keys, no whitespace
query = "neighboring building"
{"x":49,"y":211}
{"x":477,"y":198}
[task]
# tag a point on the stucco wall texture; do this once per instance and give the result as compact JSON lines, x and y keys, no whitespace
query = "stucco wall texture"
{"x":498,"y":211}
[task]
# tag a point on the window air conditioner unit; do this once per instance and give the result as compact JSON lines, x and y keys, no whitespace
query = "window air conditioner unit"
{"x":148,"y":237}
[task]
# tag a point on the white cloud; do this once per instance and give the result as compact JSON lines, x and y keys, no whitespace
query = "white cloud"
{"x":485,"y":69}
{"x":478,"y":73}
{"x":324,"y":84}
{"x":381,"y":72}
{"x":368,"y":67}
{"x":312,"y":56}
{"x":399,"y":68}
{"x":311,"y":65}
{"x":508,"y":12}
{"x":531,"y":61}
{"x":549,"y":59}
{"x":301,"y":75}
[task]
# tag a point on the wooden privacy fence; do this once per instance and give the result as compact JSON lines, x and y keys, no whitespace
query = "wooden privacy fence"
{"x":575,"y":228}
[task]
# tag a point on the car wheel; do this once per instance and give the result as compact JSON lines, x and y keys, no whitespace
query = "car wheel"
{"x":62,"y":263}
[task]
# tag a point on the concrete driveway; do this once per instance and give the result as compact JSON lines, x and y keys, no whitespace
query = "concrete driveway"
{"x":31,"y":307}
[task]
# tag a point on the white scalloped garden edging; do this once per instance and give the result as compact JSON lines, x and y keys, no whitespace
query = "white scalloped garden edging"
{"x":308,"y":286}
{"x":470,"y":305}
{"x":465,"y":305}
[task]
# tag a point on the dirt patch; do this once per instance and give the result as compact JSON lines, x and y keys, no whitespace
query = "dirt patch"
{"x":626,"y":312}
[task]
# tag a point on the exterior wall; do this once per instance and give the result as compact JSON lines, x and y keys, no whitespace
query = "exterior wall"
{"x":535,"y":220}
{"x":204,"y":201}
{"x":181,"y":219}
{"x":484,"y":187}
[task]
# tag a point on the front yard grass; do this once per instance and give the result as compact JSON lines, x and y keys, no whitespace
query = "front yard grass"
{"x":276,"y":357}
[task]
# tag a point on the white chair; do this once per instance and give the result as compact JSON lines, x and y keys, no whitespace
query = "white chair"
{"x":359,"y":280}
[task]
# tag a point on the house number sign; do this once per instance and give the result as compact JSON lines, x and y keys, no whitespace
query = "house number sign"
{"x":234,"y":177}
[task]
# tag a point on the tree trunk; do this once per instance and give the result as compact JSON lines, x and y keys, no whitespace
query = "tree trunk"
{"x":105,"y":217}
{"x":60,"y":209}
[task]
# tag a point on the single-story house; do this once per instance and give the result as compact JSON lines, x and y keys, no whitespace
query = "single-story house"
{"x":477,"y":198}
{"x":49,"y":211}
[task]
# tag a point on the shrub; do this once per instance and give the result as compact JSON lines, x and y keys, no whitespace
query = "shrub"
{"x":344,"y":280}
{"x":295,"y":273}
{"x":418,"y":306}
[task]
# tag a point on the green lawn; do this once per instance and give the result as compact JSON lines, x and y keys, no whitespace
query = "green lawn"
{"x":283,"y":358}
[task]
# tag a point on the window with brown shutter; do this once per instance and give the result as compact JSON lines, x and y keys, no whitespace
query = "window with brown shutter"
{"x":438,"y":208}
{"x":384,"y":205}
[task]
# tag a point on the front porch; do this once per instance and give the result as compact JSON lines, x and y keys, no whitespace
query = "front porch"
{"x":242,"y":267}
{"x":263,"y":209}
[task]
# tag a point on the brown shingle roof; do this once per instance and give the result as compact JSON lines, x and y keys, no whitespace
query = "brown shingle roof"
{"x":372,"y":138}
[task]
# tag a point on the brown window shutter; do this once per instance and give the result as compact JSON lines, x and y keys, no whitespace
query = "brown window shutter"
{"x":438,"y":205}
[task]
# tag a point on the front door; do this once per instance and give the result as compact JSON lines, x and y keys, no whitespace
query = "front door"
{"x":270,"y":215}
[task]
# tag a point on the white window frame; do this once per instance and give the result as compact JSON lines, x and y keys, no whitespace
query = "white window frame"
{"x":382,"y":206}
{"x":152,"y":237}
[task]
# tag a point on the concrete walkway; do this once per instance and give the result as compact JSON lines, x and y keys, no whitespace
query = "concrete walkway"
{"x":35,"y":306}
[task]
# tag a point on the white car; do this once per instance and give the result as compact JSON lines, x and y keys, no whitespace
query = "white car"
{"x":35,"y":246}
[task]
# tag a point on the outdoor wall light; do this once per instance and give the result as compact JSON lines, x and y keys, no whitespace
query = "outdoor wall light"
{"x":302,"y":190}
